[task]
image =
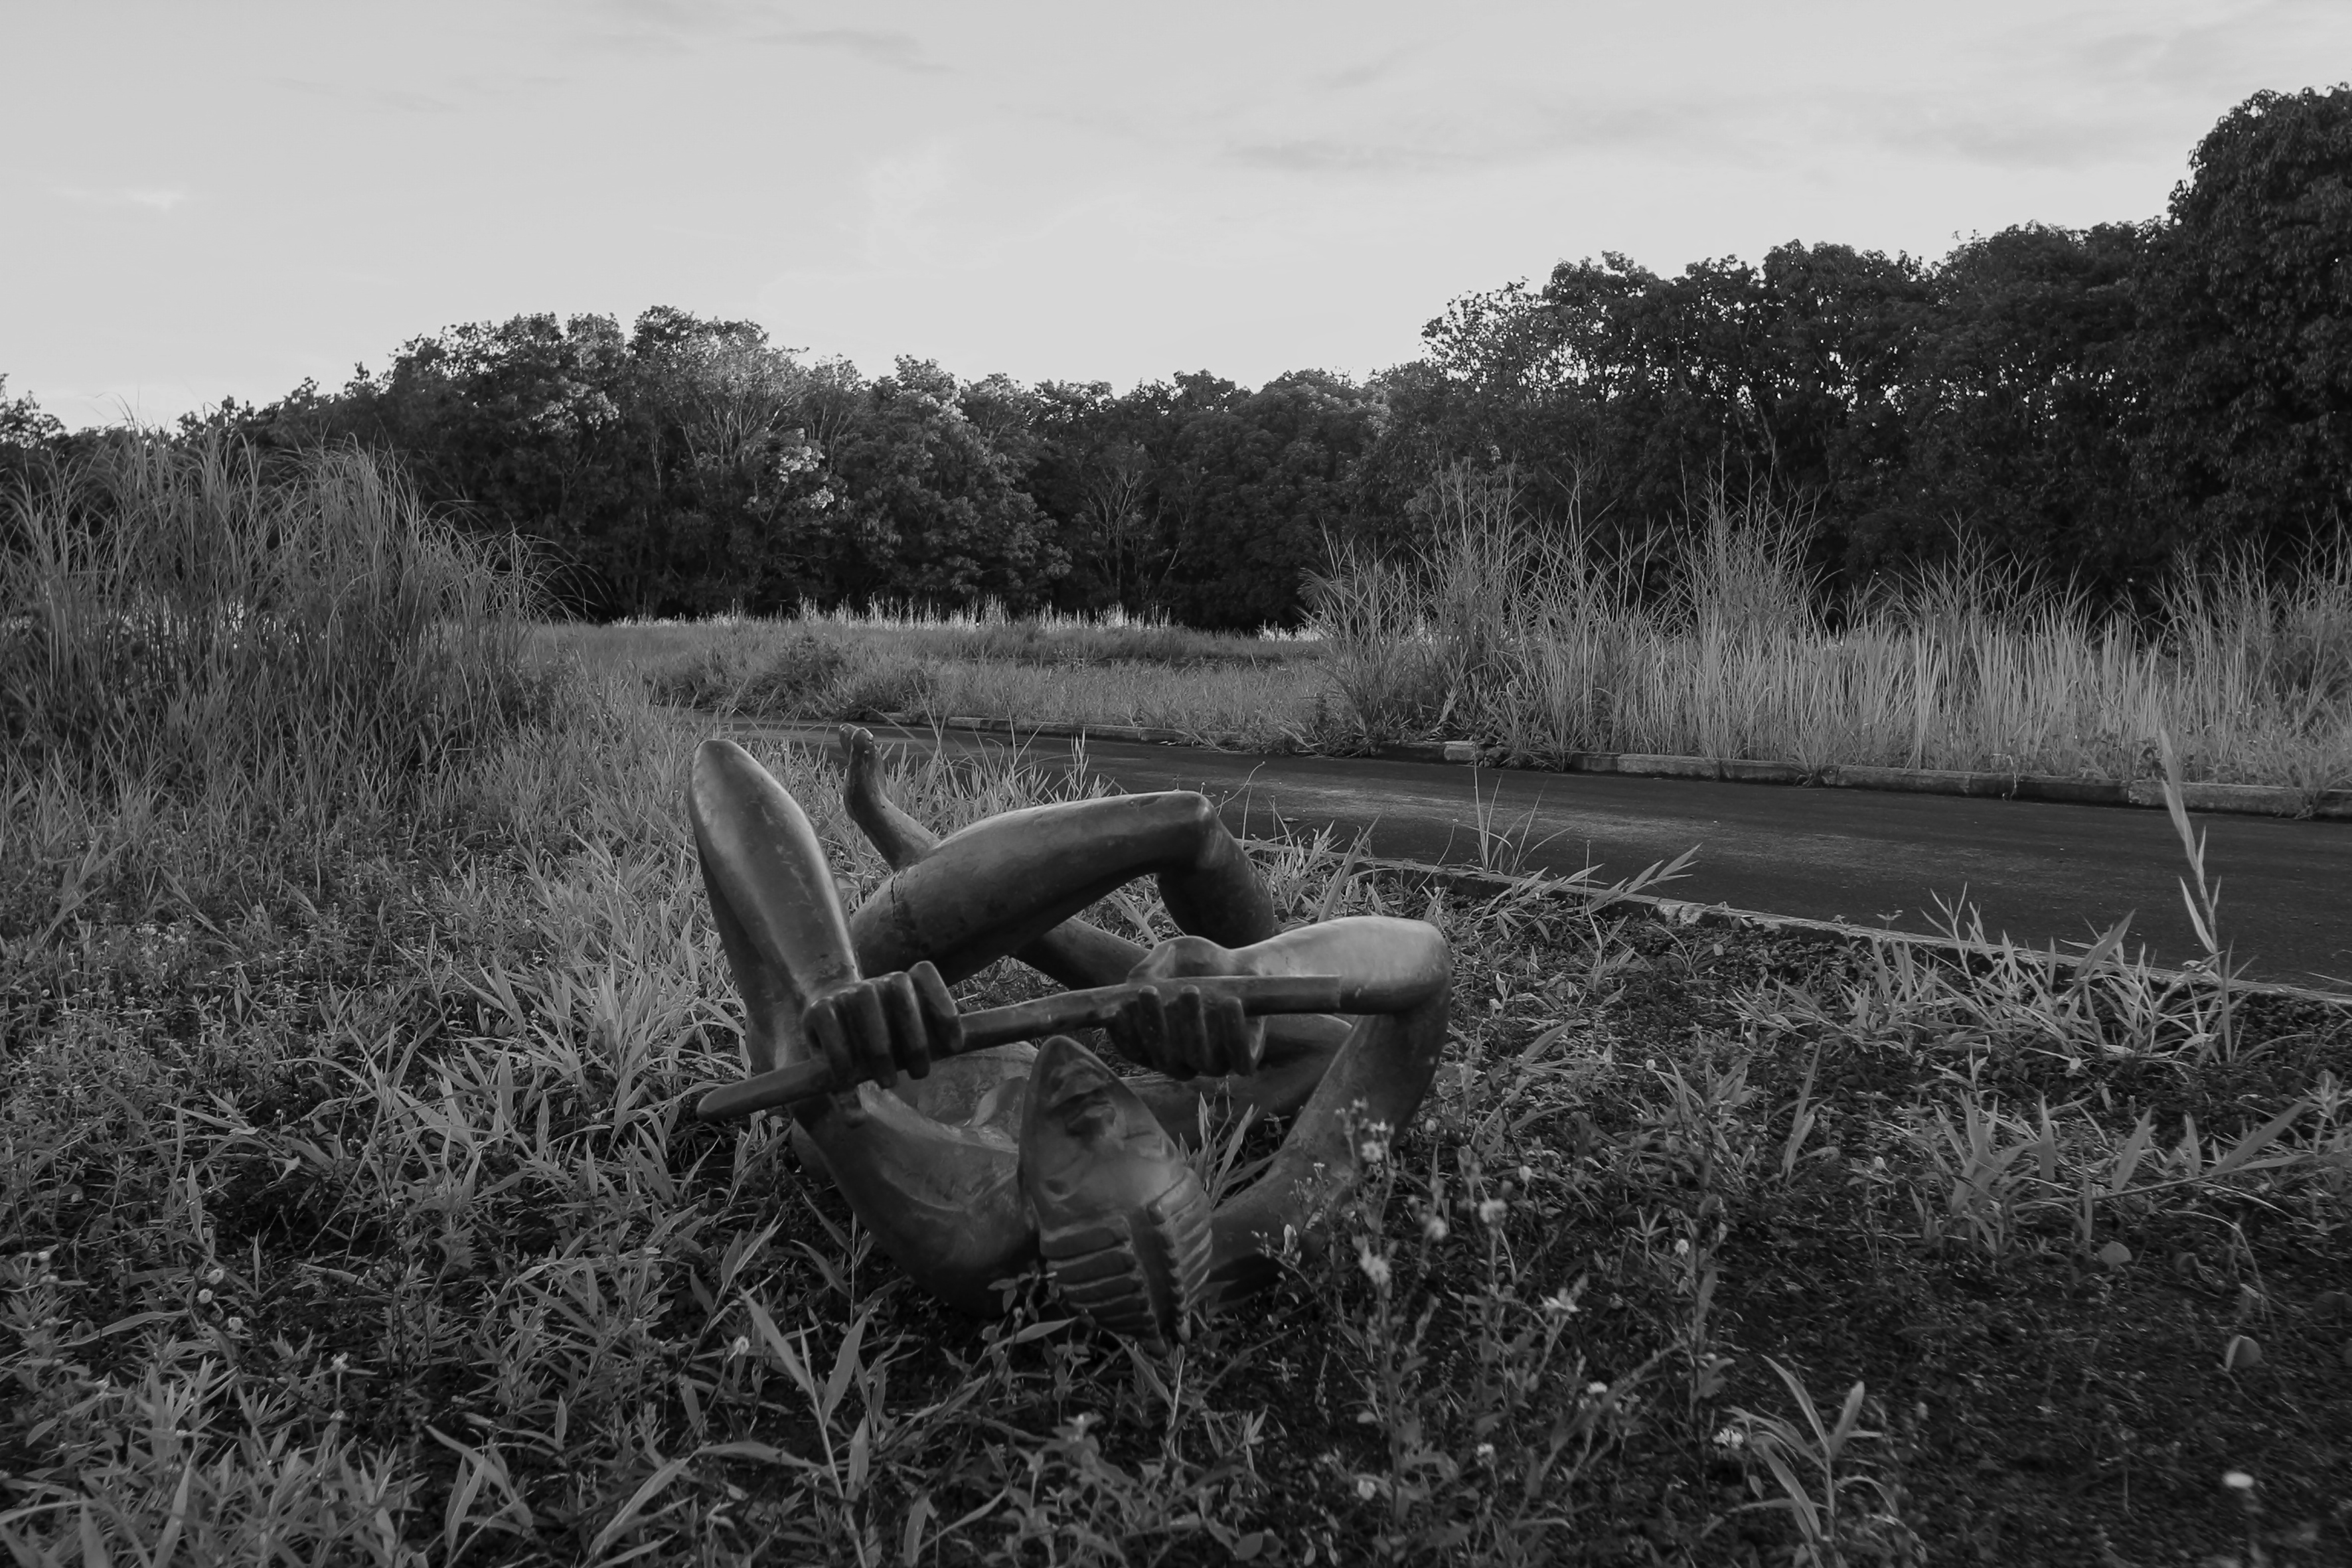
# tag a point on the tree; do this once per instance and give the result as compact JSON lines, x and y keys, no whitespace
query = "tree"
{"x":27,"y":433}
{"x":2247,"y":302}
{"x":939,"y":511}
{"x":2022,"y":410}
{"x":1625,"y":392}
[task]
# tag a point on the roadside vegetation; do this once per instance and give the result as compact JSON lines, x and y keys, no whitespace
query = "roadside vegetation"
{"x":1540,"y":643}
{"x":1720,"y":641}
{"x":1218,"y":688}
{"x":355,"y":983}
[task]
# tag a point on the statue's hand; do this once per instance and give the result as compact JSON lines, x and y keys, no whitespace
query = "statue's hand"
{"x":876,"y":1029}
{"x":1172,"y":1028}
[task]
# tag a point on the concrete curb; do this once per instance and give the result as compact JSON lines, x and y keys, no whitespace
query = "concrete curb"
{"x":1682,"y":911}
{"x":2247,"y":800}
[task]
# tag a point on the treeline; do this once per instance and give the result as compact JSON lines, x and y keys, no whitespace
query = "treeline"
{"x":2095,"y":400}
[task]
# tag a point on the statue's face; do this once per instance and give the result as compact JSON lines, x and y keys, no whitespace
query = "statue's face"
{"x":1122,"y":1219}
{"x":1087,"y":1133}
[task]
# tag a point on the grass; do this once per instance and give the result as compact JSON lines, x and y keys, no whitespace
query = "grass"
{"x":1208,"y":685}
{"x":351,"y":1210}
{"x":1541,"y":646}
{"x":1722,"y":646}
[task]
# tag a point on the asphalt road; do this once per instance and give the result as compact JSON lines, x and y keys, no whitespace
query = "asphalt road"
{"x":2037,"y":871}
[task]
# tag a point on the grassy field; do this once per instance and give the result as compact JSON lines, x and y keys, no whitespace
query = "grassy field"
{"x":1541,"y":646}
{"x":1266,"y":691}
{"x":351,"y":1210}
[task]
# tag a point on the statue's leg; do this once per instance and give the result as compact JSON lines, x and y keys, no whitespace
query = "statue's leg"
{"x":939,"y":1193}
{"x":1298,"y":1046}
{"x":997,"y":886}
{"x":1075,"y":952}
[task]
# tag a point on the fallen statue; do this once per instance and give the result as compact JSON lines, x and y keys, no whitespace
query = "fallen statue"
{"x":967,"y":1151}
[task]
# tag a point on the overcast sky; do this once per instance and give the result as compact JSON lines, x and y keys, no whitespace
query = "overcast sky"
{"x":205,"y":199}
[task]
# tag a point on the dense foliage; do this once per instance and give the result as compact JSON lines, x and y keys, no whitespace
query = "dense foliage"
{"x":2094,"y":400}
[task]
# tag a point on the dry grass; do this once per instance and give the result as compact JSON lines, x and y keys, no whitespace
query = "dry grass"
{"x":1547,"y":647}
{"x":1212,"y":685}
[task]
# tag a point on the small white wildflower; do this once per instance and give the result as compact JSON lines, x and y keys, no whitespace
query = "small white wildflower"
{"x":1731,"y":1437}
{"x":1375,"y":1268}
{"x":740,"y":1348}
{"x":1367,"y":1488}
{"x":237,"y":1325}
{"x":203,"y":1297}
{"x":216,"y":1275}
{"x":1372,"y":1151}
{"x":1490,"y":1210}
{"x":1681,"y":1246}
{"x":341,"y":1363}
{"x":1434,"y":1228}
{"x":1526,"y":1175}
{"x":1487,"y":1452}
{"x":1598,"y":1390}
{"x":2237,"y":1480}
{"x":1561,"y":1304}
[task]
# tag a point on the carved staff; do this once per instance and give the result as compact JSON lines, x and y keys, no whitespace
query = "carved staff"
{"x":1056,"y":1015}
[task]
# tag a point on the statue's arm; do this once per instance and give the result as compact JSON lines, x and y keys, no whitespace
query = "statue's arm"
{"x":1391,"y":965}
{"x":1387,"y":965}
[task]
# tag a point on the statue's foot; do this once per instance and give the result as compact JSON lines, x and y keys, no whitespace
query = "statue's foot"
{"x":901,"y":839}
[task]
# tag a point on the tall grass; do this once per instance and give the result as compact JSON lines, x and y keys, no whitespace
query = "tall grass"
{"x":219,"y":675}
{"x":182,"y":614}
{"x":1540,"y":642}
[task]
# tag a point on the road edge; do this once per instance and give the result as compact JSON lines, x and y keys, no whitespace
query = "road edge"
{"x":1684,"y":912}
{"x":2245,"y":800}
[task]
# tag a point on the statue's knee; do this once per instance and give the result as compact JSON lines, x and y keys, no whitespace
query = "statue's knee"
{"x":1189,"y":809}
{"x":1194,"y":815}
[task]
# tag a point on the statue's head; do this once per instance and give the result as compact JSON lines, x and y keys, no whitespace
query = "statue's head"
{"x":1122,"y":1219}
{"x":1086,"y":1120}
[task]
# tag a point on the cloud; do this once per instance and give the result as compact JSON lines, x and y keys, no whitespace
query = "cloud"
{"x":155,"y":199}
{"x":902,"y":201}
{"x":2022,"y":129}
{"x":2214,"y":53}
{"x":2012,"y":136}
{"x":1526,"y":131}
{"x":1365,"y":73}
{"x":638,"y":26}
{"x":1340,"y":155}
{"x":674,"y":24}
{"x":400,"y":100}
{"x":896,"y":51}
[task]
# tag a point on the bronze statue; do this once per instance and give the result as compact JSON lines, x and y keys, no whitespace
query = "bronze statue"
{"x":967,"y":1153}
